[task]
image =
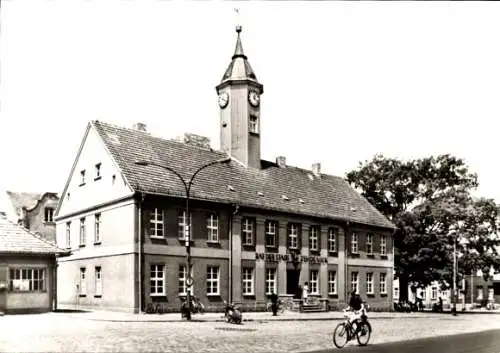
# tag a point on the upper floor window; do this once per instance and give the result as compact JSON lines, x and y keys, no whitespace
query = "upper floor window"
{"x":68,"y":235}
{"x":97,"y":169}
{"x":97,"y":228}
{"x":253,"y":124}
{"x":332,"y":239}
{"x":369,"y":244}
{"x":82,"y":232}
{"x":354,"y":243}
{"x":182,"y":227}
{"x":313,"y":238}
{"x":293,"y":236}
{"x":247,"y":229}
{"x":213,"y":228}
{"x":271,"y":228}
{"x":383,"y":245}
{"x":156,"y":223}
{"x":49,"y":214}
{"x":82,"y":177}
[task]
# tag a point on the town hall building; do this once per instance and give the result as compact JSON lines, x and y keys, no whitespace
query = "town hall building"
{"x":255,"y":226}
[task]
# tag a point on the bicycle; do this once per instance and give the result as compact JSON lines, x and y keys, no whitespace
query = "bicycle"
{"x":155,"y":308}
{"x":346,"y":332}
{"x":282,"y":306}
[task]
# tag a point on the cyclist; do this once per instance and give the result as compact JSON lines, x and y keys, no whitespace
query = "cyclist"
{"x":356,"y":308}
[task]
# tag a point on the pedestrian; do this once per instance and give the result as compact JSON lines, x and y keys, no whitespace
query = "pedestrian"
{"x":274,"y":303}
{"x":305,"y":292}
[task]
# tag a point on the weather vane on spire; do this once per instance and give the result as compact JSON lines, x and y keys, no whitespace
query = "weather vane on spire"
{"x":238,"y":23}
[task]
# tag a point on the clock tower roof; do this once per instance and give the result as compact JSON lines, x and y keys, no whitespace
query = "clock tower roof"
{"x":239,"y":69}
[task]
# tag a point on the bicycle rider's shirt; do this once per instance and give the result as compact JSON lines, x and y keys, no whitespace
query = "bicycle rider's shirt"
{"x":355,"y":303}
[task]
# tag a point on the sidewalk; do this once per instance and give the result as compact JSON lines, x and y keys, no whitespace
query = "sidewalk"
{"x":247,"y":316}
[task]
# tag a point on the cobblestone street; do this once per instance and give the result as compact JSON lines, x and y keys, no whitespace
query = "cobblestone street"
{"x":58,"y":332}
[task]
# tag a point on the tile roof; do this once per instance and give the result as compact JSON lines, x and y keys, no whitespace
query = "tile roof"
{"x":15,"y":239}
{"x":289,"y":189}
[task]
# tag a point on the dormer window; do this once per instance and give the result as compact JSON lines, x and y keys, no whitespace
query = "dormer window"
{"x":97,"y":171}
{"x":49,"y":215}
{"x":82,"y":177}
{"x":253,"y":124}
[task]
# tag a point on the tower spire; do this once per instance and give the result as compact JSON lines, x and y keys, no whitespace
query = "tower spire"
{"x":238,"y":51}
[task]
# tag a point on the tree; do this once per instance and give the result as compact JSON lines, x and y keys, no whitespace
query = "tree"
{"x":429,"y":201}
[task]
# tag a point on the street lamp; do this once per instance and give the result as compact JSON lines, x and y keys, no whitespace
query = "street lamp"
{"x":455,"y":230}
{"x":187,"y":234}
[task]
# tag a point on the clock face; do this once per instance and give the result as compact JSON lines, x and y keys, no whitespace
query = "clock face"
{"x":223,"y":100}
{"x":254,"y":98}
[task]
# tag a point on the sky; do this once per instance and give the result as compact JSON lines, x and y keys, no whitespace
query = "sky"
{"x":343,"y":81}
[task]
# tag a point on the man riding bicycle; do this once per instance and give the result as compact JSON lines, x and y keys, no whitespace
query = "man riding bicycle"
{"x":356,"y":308}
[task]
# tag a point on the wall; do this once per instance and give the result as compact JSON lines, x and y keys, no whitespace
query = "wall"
{"x":115,"y":254}
{"x":96,"y":190}
{"x":118,"y":291}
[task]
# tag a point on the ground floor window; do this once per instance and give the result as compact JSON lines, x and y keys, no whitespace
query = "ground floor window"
{"x":354,"y":282}
{"x":98,"y":281}
{"x":27,"y":279}
{"x":383,"y":283}
{"x":434,"y":293}
{"x":248,"y":282}
{"x":212,"y":280}
{"x":314,"y":282}
{"x":332,"y":282}
{"x":270,"y":281}
{"x":157,"y":280}
{"x":491,"y":294}
{"x":183,"y":280}
{"x":83,"y":281}
{"x":369,"y":283}
{"x":479,"y":293}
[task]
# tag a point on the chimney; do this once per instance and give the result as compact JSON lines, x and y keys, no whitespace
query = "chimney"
{"x":197,"y":140}
{"x":140,"y":127}
{"x":316,"y":169}
{"x":281,"y":161}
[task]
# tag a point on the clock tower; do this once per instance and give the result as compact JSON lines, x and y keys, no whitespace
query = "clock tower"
{"x":239,"y":102}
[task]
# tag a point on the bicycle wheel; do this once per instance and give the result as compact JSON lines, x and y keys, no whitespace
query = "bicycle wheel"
{"x":364,"y":333}
{"x":340,"y":335}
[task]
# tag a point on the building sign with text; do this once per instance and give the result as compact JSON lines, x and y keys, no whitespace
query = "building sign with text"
{"x":273,"y":257}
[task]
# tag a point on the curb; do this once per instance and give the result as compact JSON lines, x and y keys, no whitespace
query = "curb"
{"x":257,"y":320}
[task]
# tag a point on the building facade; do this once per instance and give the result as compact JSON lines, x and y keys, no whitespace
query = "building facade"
{"x":254,"y":227}
{"x":28,"y":273}
{"x":34,"y":211}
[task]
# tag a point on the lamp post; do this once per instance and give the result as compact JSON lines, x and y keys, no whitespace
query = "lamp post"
{"x":187,"y":230}
{"x":456,"y":233}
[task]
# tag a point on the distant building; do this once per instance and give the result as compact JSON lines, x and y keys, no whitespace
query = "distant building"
{"x":28,"y":272}
{"x":256,"y":226}
{"x":34,"y":211}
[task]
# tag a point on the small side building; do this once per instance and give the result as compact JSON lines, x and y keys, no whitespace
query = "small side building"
{"x":28,"y":270}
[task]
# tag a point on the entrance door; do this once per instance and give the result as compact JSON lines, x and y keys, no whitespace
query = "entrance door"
{"x":292,"y":281}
